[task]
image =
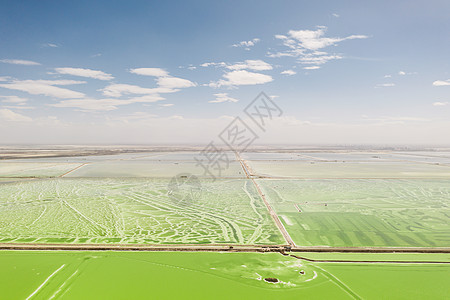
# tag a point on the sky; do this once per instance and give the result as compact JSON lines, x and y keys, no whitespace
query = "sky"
{"x":178,"y":72}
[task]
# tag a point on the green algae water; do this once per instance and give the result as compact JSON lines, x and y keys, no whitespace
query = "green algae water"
{"x":190,"y":275}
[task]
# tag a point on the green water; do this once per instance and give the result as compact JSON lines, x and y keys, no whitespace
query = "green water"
{"x":188,"y":275}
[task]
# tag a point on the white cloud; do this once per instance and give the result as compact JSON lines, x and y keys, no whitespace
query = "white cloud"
{"x":209,"y":64}
{"x":385,"y":85}
{"x":387,"y":76}
{"x":15,"y":102}
{"x":167,"y":104}
{"x":247,"y":44}
{"x":90,"y":104}
{"x":440,"y":103}
{"x":288,"y":72}
{"x":157,"y":72}
{"x":20,"y":62}
{"x":164,"y":80}
{"x":166,"y":84}
{"x":314,"y":40}
{"x":174,"y":83}
{"x":318,"y":58}
{"x":256,"y":65}
{"x":312,"y":68}
{"x":13,"y":99}
{"x":144,"y":99}
{"x":85,"y":73}
{"x":45,"y":87}
{"x":117,"y":90}
{"x":56,"y":82}
{"x":223,"y":97}
{"x":9,"y":115}
{"x":239,"y":74}
{"x":50,"y":45}
{"x":305,"y":45}
{"x":441,"y":82}
{"x":280,"y":36}
{"x":335,"y":15}
{"x":403,"y":73}
{"x":242,"y":77}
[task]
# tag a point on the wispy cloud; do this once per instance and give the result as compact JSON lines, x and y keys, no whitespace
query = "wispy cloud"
{"x":85,"y":73}
{"x":164,"y":80}
{"x":174,"y":83}
{"x":440,"y":103}
{"x":13,"y":99}
{"x":9,"y":115}
{"x":50,"y":45}
{"x":249,"y":64}
{"x":311,"y":68}
{"x":165,"y":84}
{"x":385,"y":85}
{"x":288,"y":72}
{"x":118,"y":90}
{"x":241,"y":77}
{"x":314,"y":40}
{"x":239,"y":74}
{"x":247,"y":44}
{"x":318,"y":58}
{"x":20,"y":62}
{"x":157,"y":72}
{"x":15,"y":102}
{"x":256,"y":65}
{"x":223,"y":97}
{"x":89,"y":104}
{"x":45,"y":87}
{"x":19,"y":106}
{"x":213,"y":64}
{"x":307,"y":45}
{"x":403,"y":73}
{"x":441,"y":82}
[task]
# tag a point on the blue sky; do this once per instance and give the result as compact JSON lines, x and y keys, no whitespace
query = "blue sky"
{"x":178,"y":71}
